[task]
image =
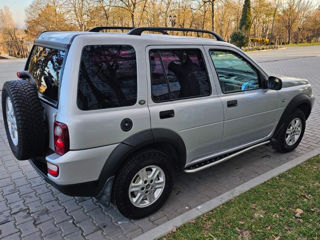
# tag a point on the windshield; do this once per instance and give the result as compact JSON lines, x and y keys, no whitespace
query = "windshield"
{"x":45,"y":65}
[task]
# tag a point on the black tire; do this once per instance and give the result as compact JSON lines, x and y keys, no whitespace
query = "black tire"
{"x":30,"y":119}
{"x":127,"y":173}
{"x":279,"y":141}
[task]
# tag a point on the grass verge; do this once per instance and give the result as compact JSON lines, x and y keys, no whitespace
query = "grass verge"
{"x":285,"y":207}
{"x":300,"y":44}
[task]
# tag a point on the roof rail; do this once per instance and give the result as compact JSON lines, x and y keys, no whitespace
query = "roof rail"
{"x":98,"y":29}
{"x":139,"y":30}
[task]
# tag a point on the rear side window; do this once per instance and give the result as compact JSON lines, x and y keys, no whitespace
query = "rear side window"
{"x":108,"y":77}
{"x":178,"y":74}
{"x":45,"y":65}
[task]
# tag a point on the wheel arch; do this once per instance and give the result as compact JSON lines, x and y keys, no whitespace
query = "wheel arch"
{"x":302,"y":102}
{"x":161,"y":139}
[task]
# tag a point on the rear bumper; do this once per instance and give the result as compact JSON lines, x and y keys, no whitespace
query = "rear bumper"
{"x":80,"y":166}
{"x":79,"y":171}
{"x":85,"y":189}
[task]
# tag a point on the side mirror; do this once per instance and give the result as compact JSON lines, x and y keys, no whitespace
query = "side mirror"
{"x":274,"y":83}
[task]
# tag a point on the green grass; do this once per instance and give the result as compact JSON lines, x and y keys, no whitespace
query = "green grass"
{"x":268,"y":211}
{"x":300,"y":44}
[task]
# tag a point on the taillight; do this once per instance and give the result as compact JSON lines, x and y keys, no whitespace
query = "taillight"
{"x":61,"y":138}
{"x":53,"y":169}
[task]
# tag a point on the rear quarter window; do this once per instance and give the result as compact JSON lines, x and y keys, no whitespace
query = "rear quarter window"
{"x":107,"y":77}
{"x":45,"y":65}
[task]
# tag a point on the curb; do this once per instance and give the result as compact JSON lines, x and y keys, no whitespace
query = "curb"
{"x":215,"y":202}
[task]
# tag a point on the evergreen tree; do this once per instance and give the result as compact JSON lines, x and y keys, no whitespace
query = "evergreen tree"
{"x":245,"y":22}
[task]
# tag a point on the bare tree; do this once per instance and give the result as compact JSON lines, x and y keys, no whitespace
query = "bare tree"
{"x":290,"y":14}
{"x":10,"y":40}
{"x":105,"y":7}
{"x":131,"y":7}
{"x":77,"y":11}
{"x":288,"y":20}
{"x":49,"y":18}
{"x":274,"y":14}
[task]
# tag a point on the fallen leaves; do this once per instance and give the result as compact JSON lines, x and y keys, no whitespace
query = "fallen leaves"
{"x":206,"y":226}
{"x":306,"y":196}
{"x":257,"y":215}
{"x":253,"y":206}
{"x":213,"y":237}
{"x":275,"y":215}
{"x":317,"y":210}
{"x":298,"y":212}
{"x":245,"y":234}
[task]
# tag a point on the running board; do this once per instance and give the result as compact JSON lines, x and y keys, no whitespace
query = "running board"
{"x":215,"y":161}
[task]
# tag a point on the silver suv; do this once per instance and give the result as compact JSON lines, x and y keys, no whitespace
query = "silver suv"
{"x":117,"y":114}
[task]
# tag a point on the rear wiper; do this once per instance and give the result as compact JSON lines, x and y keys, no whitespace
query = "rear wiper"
{"x":26,"y":75}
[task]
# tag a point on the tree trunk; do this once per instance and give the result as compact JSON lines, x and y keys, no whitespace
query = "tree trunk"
{"x":289,"y":35}
{"x":132,"y":19}
{"x":142,"y":12}
{"x":212,"y":15}
{"x":204,"y":16}
{"x":273,"y":20}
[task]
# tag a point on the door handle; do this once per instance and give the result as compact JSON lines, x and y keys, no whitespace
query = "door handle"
{"x":232,"y":103}
{"x":166,"y":114}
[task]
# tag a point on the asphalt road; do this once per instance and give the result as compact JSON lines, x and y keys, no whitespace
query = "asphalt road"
{"x":32,"y":209}
{"x":9,"y":68}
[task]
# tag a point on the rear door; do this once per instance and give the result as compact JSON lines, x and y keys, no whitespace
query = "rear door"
{"x":108,"y":85}
{"x":183,"y":99}
{"x":45,"y":64}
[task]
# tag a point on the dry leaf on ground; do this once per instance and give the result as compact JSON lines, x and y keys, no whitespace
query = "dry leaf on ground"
{"x":298,"y":212}
{"x":245,"y":233}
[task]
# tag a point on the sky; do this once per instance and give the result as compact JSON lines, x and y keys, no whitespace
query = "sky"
{"x":17,"y":8}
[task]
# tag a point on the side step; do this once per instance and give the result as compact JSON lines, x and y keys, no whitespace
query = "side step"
{"x":215,"y":161}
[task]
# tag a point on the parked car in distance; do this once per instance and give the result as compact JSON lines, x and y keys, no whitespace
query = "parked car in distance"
{"x":117,"y":114}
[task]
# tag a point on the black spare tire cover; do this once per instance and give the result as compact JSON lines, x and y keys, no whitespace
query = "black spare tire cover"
{"x":24,"y":120}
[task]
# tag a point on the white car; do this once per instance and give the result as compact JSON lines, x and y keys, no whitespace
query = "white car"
{"x":118,"y":114}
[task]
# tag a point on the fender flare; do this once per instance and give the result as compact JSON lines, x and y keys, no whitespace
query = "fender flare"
{"x":299,"y":100}
{"x":137,"y":142}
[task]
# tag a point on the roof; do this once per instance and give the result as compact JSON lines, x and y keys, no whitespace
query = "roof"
{"x":66,"y":38}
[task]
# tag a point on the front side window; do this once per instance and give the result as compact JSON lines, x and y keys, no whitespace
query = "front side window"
{"x":45,"y":66}
{"x":178,"y":74}
{"x":234,"y":73}
{"x":107,"y":77}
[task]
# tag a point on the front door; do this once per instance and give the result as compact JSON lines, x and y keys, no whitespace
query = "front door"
{"x":250,"y":112}
{"x":183,"y":98}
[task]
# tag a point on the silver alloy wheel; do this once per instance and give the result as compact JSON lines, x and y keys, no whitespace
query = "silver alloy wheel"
{"x":147,"y":186}
{"x":12,"y":123}
{"x":293,"y":131}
